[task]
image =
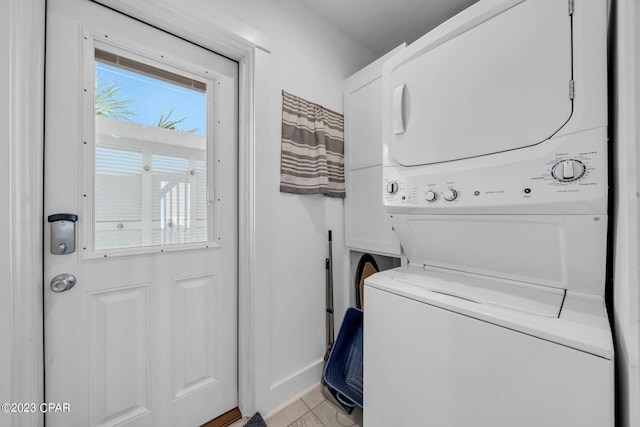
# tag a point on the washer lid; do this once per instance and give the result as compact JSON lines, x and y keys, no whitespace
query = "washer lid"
{"x":496,"y":77}
{"x":526,"y":298}
{"x":582,"y":324}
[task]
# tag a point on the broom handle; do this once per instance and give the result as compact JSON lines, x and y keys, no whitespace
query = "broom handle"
{"x":329,"y":266}
{"x":328,"y":314}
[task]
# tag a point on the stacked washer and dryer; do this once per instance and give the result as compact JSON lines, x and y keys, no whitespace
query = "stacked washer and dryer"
{"x":495,"y":176}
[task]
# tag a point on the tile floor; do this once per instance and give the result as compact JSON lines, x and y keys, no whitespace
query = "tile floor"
{"x":311,"y":410}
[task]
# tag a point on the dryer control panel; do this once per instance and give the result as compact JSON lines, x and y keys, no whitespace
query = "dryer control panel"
{"x":561,"y":175}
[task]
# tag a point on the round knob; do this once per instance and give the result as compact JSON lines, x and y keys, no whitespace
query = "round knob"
{"x":392,"y":187}
{"x":431,"y":196}
{"x":450,"y":195}
{"x":63,"y":282}
{"x":568,"y":170}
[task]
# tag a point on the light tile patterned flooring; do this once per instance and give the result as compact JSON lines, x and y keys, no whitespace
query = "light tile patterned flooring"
{"x":311,"y":410}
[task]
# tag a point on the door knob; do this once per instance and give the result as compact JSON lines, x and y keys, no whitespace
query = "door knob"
{"x":63,"y":282}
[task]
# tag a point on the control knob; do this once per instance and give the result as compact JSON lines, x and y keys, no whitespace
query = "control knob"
{"x":392,"y":187}
{"x":450,"y":194}
{"x":568,"y":170}
{"x":431,"y":196}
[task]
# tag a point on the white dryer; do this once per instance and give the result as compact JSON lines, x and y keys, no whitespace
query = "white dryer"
{"x":495,"y":176}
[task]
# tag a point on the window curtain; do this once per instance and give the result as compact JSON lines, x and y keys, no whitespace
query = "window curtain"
{"x":312,"y":155}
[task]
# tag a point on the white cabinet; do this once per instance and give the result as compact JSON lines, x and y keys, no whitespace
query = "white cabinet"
{"x":367,"y":225}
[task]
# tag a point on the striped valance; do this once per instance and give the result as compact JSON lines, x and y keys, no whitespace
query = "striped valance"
{"x":312,"y":157}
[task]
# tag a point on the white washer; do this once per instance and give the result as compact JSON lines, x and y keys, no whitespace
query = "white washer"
{"x":495,"y":176}
{"x":495,"y":354}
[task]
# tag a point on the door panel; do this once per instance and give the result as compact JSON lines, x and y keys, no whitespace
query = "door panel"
{"x":148,"y":334}
{"x":195,"y":302}
{"x":118,"y":354}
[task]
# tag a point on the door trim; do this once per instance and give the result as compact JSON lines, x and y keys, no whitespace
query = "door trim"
{"x":21,"y":373}
{"x":219,"y":33}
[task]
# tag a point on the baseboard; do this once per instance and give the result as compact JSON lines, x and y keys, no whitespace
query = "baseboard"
{"x":292,"y":388}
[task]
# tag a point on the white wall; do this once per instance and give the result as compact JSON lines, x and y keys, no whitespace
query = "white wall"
{"x":626,"y":133}
{"x":309,"y":58}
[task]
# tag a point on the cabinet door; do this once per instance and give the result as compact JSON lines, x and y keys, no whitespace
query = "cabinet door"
{"x":367,"y":225}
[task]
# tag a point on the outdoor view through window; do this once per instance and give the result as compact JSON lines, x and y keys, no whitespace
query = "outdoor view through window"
{"x":150,"y":155}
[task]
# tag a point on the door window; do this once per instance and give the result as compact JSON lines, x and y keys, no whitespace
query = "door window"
{"x":152,"y":153}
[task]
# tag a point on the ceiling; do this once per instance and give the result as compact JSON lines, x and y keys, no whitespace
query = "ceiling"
{"x":381,"y":25}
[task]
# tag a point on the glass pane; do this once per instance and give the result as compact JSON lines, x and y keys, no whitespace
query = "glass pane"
{"x":170,"y":199}
{"x":118,"y":239}
{"x":118,"y":185}
{"x":150,"y":155}
{"x":201,"y":191}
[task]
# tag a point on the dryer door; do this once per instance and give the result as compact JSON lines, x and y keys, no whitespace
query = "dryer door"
{"x":491,"y":79}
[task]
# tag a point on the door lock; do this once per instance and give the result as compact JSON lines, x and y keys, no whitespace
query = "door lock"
{"x":63,"y":233}
{"x":63,"y":282}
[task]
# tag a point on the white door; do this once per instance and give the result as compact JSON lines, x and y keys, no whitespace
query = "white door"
{"x":141,"y":145}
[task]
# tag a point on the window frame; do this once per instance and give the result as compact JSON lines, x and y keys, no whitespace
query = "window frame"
{"x":92,"y":40}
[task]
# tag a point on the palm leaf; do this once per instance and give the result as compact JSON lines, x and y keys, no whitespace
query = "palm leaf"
{"x":165,"y":122}
{"x":109,"y":104}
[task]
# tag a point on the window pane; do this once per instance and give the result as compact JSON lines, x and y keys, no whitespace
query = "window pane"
{"x":170,"y":199}
{"x":201,"y":192}
{"x":118,"y":185}
{"x":118,"y":239}
{"x":150,"y":155}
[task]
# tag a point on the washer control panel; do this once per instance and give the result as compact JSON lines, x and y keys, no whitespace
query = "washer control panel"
{"x":566,"y":175}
